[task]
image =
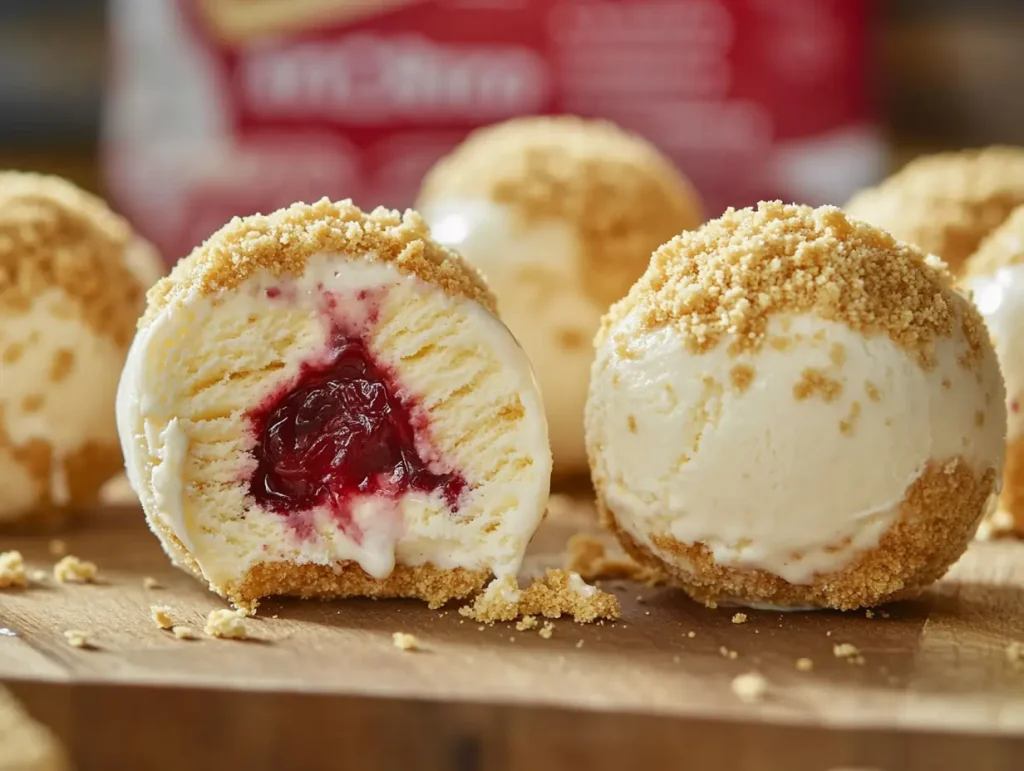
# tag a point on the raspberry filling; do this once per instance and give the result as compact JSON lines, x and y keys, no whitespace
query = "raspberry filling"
{"x":338,"y":433}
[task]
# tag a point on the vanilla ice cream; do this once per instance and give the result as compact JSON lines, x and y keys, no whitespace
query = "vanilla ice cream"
{"x":561,"y":215}
{"x":322,"y":402}
{"x":948,"y":202}
{"x":70,"y":297}
{"x":792,"y":409}
{"x":995,"y":279}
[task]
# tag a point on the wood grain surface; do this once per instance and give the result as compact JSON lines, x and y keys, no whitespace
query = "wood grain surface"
{"x":321,"y":684}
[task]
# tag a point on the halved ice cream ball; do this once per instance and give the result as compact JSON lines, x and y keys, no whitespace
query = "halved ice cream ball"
{"x":71,"y":291}
{"x":948,"y":202}
{"x":322,"y":402}
{"x":793,"y":409}
{"x":995,"y":277}
{"x":561,"y":214}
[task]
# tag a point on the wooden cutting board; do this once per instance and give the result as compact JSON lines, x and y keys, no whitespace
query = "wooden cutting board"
{"x":322,"y":685}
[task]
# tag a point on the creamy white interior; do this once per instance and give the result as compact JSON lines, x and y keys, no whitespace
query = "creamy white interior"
{"x":187,"y":439}
{"x":76,"y":408}
{"x":534,"y":271}
{"x":1000,"y":299}
{"x":767,"y":481}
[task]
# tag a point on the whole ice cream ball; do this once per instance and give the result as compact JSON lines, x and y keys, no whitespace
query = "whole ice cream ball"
{"x":69,"y":301}
{"x":948,"y":202}
{"x":561,"y":215}
{"x":792,"y":409}
{"x":994,"y":275}
{"x":322,"y":402}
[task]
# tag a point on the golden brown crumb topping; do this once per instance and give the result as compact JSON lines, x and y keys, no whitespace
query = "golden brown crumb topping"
{"x":1002,"y":248}
{"x":726,"y":279}
{"x":622,"y":197}
{"x":282,"y":243}
{"x":948,"y":202}
{"x":55,"y":236}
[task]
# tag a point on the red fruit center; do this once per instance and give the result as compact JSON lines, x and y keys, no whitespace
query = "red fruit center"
{"x":338,"y":433}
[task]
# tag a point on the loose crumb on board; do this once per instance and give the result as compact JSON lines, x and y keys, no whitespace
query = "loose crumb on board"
{"x":848,"y":652}
{"x":728,"y":654}
{"x":78,"y":639}
{"x":1015,"y":653}
{"x":547,"y":630}
{"x":691,"y":635}
{"x":558,"y":593}
{"x":750,"y":688}
{"x":710,"y":604}
{"x":579,"y":643}
{"x":39,"y":576}
{"x":12,"y":570}
{"x":184,"y":632}
{"x":161,"y":615}
{"x":739,"y":618}
{"x":587,"y":555}
{"x":804,"y":665}
{"x":151,"y":583}
{"x":71,"y":570}
{"x":869,"y":613}
{"x":226,"y":624}
{"x":57,"y":547}
{"x":525,"y":623}
{"x":405,"y":642}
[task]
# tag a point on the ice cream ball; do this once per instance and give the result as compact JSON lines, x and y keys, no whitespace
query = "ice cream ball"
{"x":792,"y":409}
{"x":561,"y":214}
{"x":994,"y":275}
{"x":323,"y":402}
{"x":69,"y":301}
{"x":948,"y":202}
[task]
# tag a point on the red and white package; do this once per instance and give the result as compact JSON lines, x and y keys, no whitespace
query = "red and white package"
{"x":225,"y":107}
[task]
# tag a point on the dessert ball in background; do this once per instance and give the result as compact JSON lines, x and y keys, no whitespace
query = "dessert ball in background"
{"x":946,"y":203}
{"x":322,"y":402}
{"x":793,"y":409}
{"x":995,"y":277}
{"x":561,"y":215}
{"x":72,"y":286}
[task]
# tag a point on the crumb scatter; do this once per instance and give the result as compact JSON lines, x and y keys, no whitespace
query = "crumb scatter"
{"x":750,"y":687}
{"x":405,"y":641}
{"x":78,"y":639}
{"x":226,"y":624}
{"x":72,"y":570}
{"x":183,"y":632}
{"x":161,"y":615}
{"x":12,"y":570}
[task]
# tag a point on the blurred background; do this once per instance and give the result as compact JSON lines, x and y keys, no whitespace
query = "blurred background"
{"x":144,"y":100}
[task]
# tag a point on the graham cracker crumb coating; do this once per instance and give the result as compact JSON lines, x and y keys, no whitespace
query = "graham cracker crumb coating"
{"x":621,"y":196}
{"x":284,"y":241}
{"x":948,"y":202}
{"x":553,"y":595}
{"x":1002,"y":248}
{"x":425,"y":582}
{"x":936,"y":521}
{"x":54,"y":235}
{"x":727,"y":278}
